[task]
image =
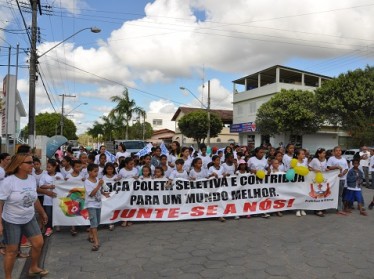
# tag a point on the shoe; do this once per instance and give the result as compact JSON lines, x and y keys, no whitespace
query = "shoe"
{"x":342,"y":213}
{"x":73,"y":232}
{"x":111,"y":227}
{"x":236,"y":217}
{"x":95,"y":248}
{"x":320,"y":214}
{"x":248,"y":216}
{"x":48,"y":232}
{"x":40,"y":273}
{"x":279,"y":214}
{"x":222,"y":219}
{"x":371,"y":205}
{"x":298,"y":213}
{"x":363,"y":213}
{"x":303,"y":213}
{"x":265,"y":215}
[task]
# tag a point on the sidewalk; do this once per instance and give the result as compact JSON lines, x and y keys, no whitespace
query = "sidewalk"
{"x":280,"y":247}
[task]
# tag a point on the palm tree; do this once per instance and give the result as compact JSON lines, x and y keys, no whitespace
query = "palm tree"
{"x":125,"y":109}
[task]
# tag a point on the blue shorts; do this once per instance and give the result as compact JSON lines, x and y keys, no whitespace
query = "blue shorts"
{"x":12,"y":232}
{"x":94,"y":215}
{"x":352,"y":196}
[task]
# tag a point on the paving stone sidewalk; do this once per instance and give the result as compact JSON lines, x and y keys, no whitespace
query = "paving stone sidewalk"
{"x":280,"y":247}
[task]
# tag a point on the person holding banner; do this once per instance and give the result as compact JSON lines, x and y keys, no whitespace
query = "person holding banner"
{"x":93,"y":191}
{"x":290,"y":149}
{"x":197,"y":171}
{"x":337,"y":162}
{"x":164,"y":165}
{"x":18,"y":202}
{"x":174,"y":153}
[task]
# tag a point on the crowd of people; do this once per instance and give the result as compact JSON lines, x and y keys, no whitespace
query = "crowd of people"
{"x":24,"y":185}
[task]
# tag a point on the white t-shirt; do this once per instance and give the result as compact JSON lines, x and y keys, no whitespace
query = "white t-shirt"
{"x":46,"y":179}
{"x":286,"y":161}
{"x":187,"y":164}
{"x":229,"y":169}
{"x":97,"y":159}
{"x":365,"y":162}
{"x":342,"y":162}
{"x":203,"y":173}
{"x":372,"y":165}
{"x":316,"y":164}
{"x":257,"y":164}
{"x":65,"y":172}
{"x":171,"y":159}
{"x":206,"y":160}
{"x":176,"y":174}
{"x":168,"y":172}
{"x":19,"y":196}
{"x":95,"y":201}
{"x":213,"y":169}
{"x":2,"y":173}
{"x":124,"y":173}
{"x":122,"y":154}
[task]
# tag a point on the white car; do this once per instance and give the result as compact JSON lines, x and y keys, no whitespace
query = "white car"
{"x":350,"y":153}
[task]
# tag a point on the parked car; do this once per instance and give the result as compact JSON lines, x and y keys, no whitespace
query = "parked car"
{"x":349,"y":154}
{"x":132,"y":146}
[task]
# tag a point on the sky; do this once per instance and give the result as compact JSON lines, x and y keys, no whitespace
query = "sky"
{"x":155,"y":47}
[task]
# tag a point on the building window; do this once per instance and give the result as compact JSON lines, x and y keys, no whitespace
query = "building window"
{"x":157,"y":122}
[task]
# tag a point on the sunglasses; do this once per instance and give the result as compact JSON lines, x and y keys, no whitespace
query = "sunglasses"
{"x":28,"y":162}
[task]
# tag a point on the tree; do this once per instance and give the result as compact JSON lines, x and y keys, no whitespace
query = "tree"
{"x":48,"y":124}
{"x":348,"y":101}
{"x":195,"y":125}
{"x":125,"y":109}
{"x":136,"y":130}
{"x":289,"y":111}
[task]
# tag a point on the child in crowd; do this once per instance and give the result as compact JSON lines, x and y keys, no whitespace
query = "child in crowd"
{"x":164,"y":165}
{"x":147,"y":162}
{"x":102,"y":162}
{"x":127,"y":169}
{"x":215,"y":168}
{"x":159,"y":173}
{"x":179,"y":171}
{"x":257,"y":162}
{"x":109,"y":175}
{"x":37,"y":173}
{"x":46,"y":187}
{"x":93,"y":187}
{"x":229,"y":167}
{"x":155,"y":160}
{"x":242,"y":167}
{"x":185,"y":155}
{"x":337,"y":162}
{"x":66,"y":166}
{"x":197,"y":171}
{"x":274,"y":166}
{"x":206,"y":159}
{"x":221,"y":157}
{"x":146,"y":173}
{"x":175,"y":150}
{"x":290,"y":149}
{"x":83,"y":157}
{"x":355,"y":178}
{"x":300,"y":157}
{"x":319,"y":162}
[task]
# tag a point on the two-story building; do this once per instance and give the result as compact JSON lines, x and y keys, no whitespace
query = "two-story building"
{"x":251,"y":91}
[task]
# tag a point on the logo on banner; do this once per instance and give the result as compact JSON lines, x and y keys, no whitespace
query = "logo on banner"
{"x":73,"y":204}
{"x":319,"y":190}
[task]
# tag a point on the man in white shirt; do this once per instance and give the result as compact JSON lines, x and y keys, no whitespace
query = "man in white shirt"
{"x":364,"y":163}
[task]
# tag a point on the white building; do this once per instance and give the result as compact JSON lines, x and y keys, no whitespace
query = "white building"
{"x":160,"y":121}
{"x":251,"y":91}
{"x":11,"y":113}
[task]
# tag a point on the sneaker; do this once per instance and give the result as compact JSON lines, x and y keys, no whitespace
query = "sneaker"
{"x":279,"y":214}
{"x":236,"y":217}
{"x":111,"y":227}
{"x":303,"y":213}
{"x":248,"y":216}
{"x":298,"y":213}
{"x":48,"y":232}
{"x":221,"y":219}
{"x":265,"y":215}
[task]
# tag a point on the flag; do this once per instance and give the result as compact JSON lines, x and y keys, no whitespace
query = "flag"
{"x":147,"y":149}
{"x":164,"y":150}
{"x":110,"y":156}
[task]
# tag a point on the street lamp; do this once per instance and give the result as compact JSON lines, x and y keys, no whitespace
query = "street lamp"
{"x":207,"y":108}
{"x":63,"y":115}
{"x":32,"y":72}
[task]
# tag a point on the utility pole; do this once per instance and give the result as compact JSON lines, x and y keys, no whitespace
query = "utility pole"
{"x":32,"y":73}
{"x":208,"y":111}
{"x":62,"y":112}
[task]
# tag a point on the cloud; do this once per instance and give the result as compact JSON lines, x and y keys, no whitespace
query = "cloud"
{"x":73,"y":6}
{"x":162,"y":106}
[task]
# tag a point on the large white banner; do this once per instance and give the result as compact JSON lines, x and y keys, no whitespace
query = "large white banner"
{"x":146,"y":200}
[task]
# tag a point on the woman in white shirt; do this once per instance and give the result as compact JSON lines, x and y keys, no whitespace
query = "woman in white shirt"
{"x":18,"y":202}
